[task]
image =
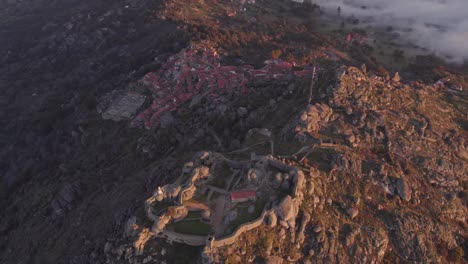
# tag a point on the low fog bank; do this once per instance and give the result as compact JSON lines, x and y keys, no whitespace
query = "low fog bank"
{"x":441,"y":26}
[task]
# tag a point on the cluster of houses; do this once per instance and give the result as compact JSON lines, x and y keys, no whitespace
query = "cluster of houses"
{"x":197,"y":71}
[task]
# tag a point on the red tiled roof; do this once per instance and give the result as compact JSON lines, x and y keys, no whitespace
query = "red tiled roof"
{"x":243,"y":194}
{"x":196,"y":71}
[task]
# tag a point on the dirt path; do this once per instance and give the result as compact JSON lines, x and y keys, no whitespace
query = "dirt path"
{"x":218,"y":216}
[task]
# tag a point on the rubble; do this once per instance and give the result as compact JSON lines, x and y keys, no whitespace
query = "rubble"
{"x":313,"y":118}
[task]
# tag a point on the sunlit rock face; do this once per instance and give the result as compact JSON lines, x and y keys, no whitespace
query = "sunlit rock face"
{"x":441,"y":26}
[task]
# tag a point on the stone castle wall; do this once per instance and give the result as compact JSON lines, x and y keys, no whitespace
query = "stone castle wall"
{"x":242,"y":229}
{"x":194,"y":240}
{"x":191,"y":240}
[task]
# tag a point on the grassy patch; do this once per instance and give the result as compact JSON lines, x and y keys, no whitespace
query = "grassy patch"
{"x":191,"y":227}
{"x":190,"y":254}
{"x":193,"y":215}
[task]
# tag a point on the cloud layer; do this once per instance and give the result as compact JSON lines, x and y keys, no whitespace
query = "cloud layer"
{"x":438,"y":25}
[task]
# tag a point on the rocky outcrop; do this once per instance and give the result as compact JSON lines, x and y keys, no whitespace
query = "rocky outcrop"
{"x":312,"y":119}
{"x":160,"y":223}
{"x":177,"y":212}
{"x":352,"y":212}
{"x":403,"y":189}
{"x":271,"y":219}
{"x":364,"y":160}
{"x":301,"y":230}
{"x":287,"y":210}
{"x":167,"y":192}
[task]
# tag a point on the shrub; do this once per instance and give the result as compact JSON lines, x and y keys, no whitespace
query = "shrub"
{"x":456,"y":254}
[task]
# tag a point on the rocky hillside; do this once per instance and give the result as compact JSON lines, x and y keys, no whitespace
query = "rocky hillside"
{"x":100,"y":105}
{"x":386,"y":181}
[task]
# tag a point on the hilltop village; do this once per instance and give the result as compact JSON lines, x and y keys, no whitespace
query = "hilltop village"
{"x":225,"y":131}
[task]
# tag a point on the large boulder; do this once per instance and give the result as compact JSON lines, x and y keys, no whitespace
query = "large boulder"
{"x":206,"y":214}
{"x":271,"y":220}
{"x":287,"y":209}
{"x":403,"y":189}
{"x":301,"y":231}
{"x":353,"y":212}
{"x":315,"y":116}
{"x":298,"y":179}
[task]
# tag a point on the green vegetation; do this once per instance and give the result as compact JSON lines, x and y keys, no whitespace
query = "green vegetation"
{"x":190,"y":253}
{"x":191,"y":227}
{"x":193,"y":215}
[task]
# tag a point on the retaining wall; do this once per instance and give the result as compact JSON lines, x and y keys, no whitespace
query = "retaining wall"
{"x":242,"y":229}
{"x":191,"y":240}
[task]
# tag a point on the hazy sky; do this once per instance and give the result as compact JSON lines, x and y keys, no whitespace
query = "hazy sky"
{"x":439,"y":25}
